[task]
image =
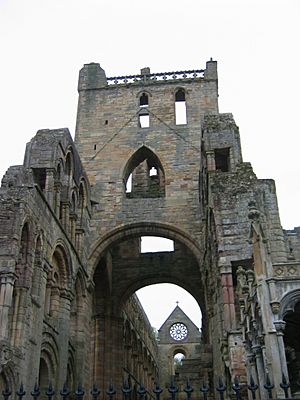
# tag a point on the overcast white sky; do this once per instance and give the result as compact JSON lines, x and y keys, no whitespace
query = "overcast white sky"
{"x":44,"y":43}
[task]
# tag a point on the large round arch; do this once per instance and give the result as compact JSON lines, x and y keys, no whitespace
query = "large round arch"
{"x":119,"y":268}
{"x":142,"y":229}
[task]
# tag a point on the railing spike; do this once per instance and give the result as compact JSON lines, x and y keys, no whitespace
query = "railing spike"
{"x":188,"y":389}
{"x":6,"y":392}
{"x":157,"y":390}
{"x":221,"y":388}
{"x":173,"y":389}
{"x":110,"y":391}
{"x":21,"y":392}
{"x":268,"y":386}
{"x":285,"y":386}
{"x":141,"y":391}
{"x":252,"y":387}
{"x":36,"y":391}
{"x":79,"y":392}
{"x":95,"y":392}
{"x":49,"y":391}
{"x":204,"y":389}
{"x":64,"y":392}
{"x":237,"y":387}
{"x":126,"y":389}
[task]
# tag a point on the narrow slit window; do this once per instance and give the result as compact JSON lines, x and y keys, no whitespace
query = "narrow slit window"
{"x":129,"y":184}
{"x":180,"y":108}
{"x":144,"y":119}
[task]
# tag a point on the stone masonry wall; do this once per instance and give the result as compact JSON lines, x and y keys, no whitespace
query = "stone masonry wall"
{"x":108,"y":135}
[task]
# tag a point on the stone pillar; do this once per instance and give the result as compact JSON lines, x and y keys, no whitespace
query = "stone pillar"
{"x":33,"y":353}
{"x":280,"y":326}
{"x":72,"y":227}
{"x":109,"y":352}
{"x":211,"y":164}
{"x":261,"y":372}
{"x":65,"y":215}
{"x":7,"y":280}
{"x":274,"y":361}
{"x":145,"y":376}
{"x":63,"y":328}
{"x":79,"y":232}
{"x":19,"y":317}
{"x":228,"y":298}
{"x":252,"y":372}
{"x":134,"y":369}
{"x":49,"y":187}
{"x":127,"y":351}
{"x":57,"y":194}
{"x":140,"y":370}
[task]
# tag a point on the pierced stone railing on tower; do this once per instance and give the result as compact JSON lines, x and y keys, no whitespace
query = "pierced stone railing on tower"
{"x":154,"y":77}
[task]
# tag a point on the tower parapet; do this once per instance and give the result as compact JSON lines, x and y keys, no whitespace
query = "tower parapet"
{"x":92,"y":76}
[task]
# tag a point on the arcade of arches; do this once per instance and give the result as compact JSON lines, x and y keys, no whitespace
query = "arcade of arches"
{"x":72,"y":218}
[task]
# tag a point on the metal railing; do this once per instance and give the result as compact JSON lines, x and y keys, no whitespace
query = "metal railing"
{"x":236,"y":391}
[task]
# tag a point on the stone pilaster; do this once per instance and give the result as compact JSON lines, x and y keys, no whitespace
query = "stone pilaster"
{"x":49,"y":186}
{"x":7,"y":280}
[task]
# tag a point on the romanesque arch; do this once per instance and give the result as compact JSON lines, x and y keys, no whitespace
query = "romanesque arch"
{"x":143,"y":229}
{"x":290,"y":314}
{"x":119,"y":269}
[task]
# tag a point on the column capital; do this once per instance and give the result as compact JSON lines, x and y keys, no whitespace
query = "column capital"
{"x":7,"y":278}
{"x":257,"y":350}
{"x":279,"y":326}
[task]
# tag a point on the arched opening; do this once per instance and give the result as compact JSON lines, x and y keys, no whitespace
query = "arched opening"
{"x":58,"y":280}
{"x":155,"y":244}
{"x":144,"y":116}
{"x":3,"y":383}
{"x":24,"y":256}
{"x":37,"y":270}
{"x":122,"y":269}
{"x":144,"y":119}
{"x":176,"y":318}
{"x":292,"y":346}
{"x":178,"y":359}
{"x":44,"y":378}
{"x":144,"y":100}
{"x":180,"y":108}
{"x":69,"y":165}
{"x":82,"y":203}
{"x":144,"y":175}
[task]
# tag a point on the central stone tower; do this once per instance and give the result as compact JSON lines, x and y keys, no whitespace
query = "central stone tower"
{"x":146,"y":142}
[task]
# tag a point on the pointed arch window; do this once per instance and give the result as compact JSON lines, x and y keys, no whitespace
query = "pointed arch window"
{"x":144,"y":175}
{"x":180,"y":108}
{"x":144,"y":100}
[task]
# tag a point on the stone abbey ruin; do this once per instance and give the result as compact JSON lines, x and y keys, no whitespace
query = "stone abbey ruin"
{"x":152,"y":156}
